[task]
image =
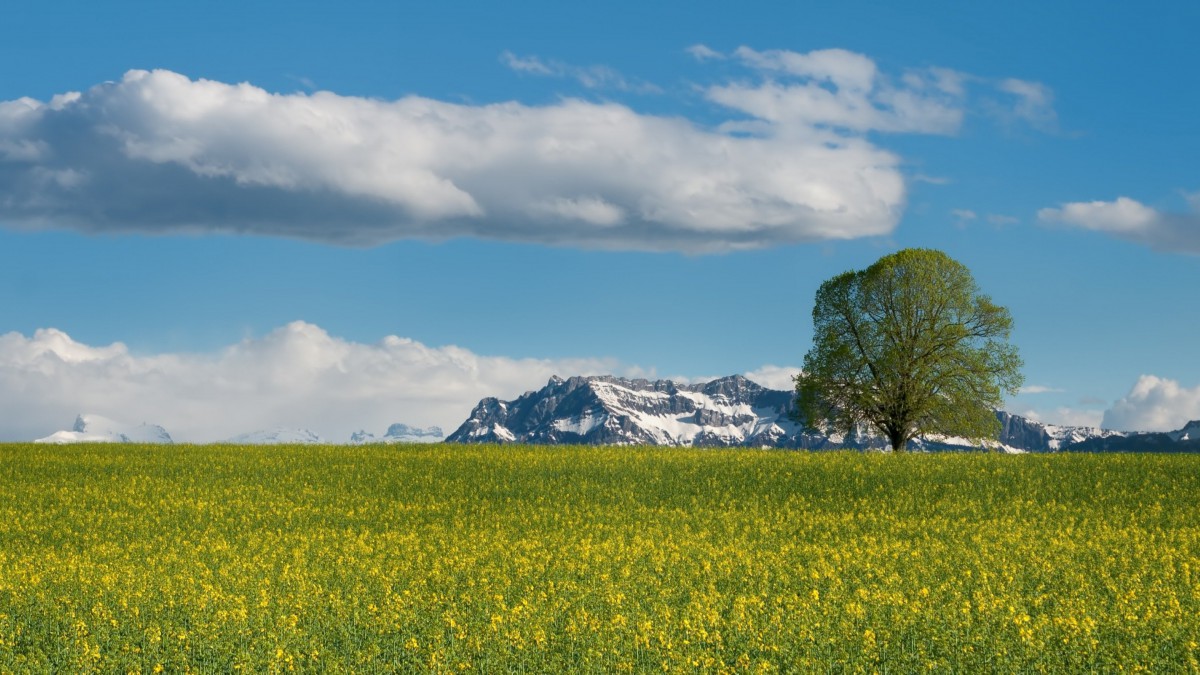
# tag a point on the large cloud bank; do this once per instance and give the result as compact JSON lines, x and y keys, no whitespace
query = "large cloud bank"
{"x":296,"y":376}
{"x":158,"y":152}
{"x":1132,"y":220}
{"x":1154,"y":404}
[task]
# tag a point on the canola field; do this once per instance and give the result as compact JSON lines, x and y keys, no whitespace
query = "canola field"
{"x":523,"y":559}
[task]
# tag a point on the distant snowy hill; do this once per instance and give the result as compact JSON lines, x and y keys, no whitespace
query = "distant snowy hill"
{"x":734,"y":411}
{"x":273,"y":436}
{"x":90,"y":428}
{"x":400,"y":433}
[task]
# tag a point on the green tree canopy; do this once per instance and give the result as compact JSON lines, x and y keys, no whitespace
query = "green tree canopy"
{"x":908,"y":347}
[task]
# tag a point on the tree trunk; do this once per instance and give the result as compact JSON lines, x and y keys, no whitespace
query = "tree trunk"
{"x":899,"y":440}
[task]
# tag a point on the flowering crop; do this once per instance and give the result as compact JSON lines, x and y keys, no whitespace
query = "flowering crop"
{"x":551,"y":559}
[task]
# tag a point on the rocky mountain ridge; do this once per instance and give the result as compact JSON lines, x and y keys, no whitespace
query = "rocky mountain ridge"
{"x":734,"y":411}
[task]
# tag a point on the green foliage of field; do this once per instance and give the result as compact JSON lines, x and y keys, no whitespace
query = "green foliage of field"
{"x":519,"y":559}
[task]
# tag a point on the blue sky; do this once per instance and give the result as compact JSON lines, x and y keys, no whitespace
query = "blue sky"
{"x":340,"y":216}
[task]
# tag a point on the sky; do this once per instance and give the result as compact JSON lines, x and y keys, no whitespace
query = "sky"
{"x":228,"y":216}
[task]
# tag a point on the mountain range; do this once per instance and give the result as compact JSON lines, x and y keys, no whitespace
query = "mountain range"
{"x":736,"y":412}
{"x":91,"y":428}
{"x":727,"y":412}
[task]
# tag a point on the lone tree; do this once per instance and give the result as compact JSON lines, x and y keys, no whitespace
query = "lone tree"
{"x":908,"y":347}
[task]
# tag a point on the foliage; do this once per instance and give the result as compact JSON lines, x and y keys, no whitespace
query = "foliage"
{"x":908,"y":347}
{"x":524,"y":559}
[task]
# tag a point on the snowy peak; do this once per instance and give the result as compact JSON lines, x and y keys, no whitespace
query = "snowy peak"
{"x":276,"y":436}
{"x":400,"y":433}
{"x":90,"y":428}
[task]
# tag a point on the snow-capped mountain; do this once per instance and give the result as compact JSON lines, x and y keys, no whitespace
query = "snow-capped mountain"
{"x":734,"y":411}
{"x":277,"y":435}
{"x":605,"y":410}
{"x":90,"y":428}
{"x":400,"y":433}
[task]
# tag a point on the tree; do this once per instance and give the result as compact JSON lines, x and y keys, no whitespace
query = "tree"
{"x":908,"y":347}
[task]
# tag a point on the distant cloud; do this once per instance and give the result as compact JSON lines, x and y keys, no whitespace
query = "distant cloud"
{"x":963,"y":217}
{"x":1130,"y":219}
{"x":592,"y":77}
{"x":1039,"y":389}
{"x":157,"y":152}
{"x":1064,"y":416}
{"x":1001,"y":220}
{"x":846,"y":90}
{"x":1034,"y":103}
{"x":704,"y":53}
{"x":775,"y":377}
{"x":526,"y":64}
{"x":295,"y":376}
{"x":840,"y":89}
{"x":1154,"y":404}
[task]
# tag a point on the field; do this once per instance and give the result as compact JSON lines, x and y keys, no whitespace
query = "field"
{"x":519,"y":559}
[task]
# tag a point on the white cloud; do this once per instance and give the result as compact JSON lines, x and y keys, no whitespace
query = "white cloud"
{"x":963,"y":216}
{"x":296,"y":376}
{"x":526,"y":64}
{"x":157,"y":152}
{"x":1001,"y":220}
{"x":839,"y":89}
{"x":592,"y":77}
{"x":775,"y":377}
{"x":1065,"y":416}
{"x":1034,"y":103}
{"x":846,"y":91}
{"x":1154,"y":404}
{"x":1124,"y":216}
{"x":1130,"y":219}
{"x":1039,"y":389}
{"x":702,"y":52}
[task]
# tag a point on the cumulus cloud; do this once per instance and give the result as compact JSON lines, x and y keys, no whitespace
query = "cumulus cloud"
{"x":1154,"y":404}
{"x":1130,"y":219}
{"x":296,"y":376}
{"x":157,"y":152}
